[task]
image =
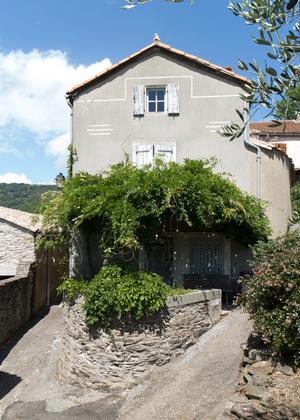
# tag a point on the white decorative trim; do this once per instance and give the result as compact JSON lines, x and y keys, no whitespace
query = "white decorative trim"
{"x":99,"y":134}
{"x":99,"y":129}
{"x":219,"y":122}
{"x":99,"y":125}
{"x":158,"y":78}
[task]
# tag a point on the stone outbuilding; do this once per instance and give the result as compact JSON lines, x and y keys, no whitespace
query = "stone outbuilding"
{"x":28,"y":277}
{"x":17,"y":240}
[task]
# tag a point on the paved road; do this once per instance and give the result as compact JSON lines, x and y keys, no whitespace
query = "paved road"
{"x":194,"y":386}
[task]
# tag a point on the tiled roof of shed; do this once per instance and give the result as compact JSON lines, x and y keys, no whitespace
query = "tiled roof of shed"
{"x":157,"y":44}
{"x":280,"y":128}
{"x":20,"y":218}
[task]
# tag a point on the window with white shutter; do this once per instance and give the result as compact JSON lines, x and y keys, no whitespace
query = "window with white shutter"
{"x":145,"y":154}
{"x":142,"y":154}
{"x":173,"y":98}
{"x":165,"y":152}
{"x":139,"y":100}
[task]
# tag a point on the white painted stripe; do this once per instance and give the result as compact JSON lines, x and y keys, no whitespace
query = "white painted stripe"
{"x":213,"y":126}
{"x":99,"y":134}
{"x":218,"y":122}
{"x":99,"y":129}
{"x":159,"y":78}
{"x":99,"y":125}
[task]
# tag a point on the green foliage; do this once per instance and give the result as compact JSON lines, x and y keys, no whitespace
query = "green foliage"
{"x":72,"y":158}
{"x":133,"y":206}
{"x":72,"y":288}
{"x":295,"y":196}
{"x":289,"y":107}
{"x":115,"y":292}
{"x":23,"y":197}
{"x":272,"y":294}
{"x":278,"y":31}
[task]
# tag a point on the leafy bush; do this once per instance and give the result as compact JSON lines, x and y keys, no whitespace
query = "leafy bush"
{"x":295,"y":196}
{"x":72,"y":288}
{"x":132,"y":206}
{"x":272,"y":294}
{"x":114,"y":292}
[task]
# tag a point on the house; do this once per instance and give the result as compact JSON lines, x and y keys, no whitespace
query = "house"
{"x":164,"y":102}
{"x":284,"y":134}
{"x":18,"y":233}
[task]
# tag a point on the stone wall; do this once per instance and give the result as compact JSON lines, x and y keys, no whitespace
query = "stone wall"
{"x":15,"y":302}
{"x":16,"y":244}
{"x":92,"y":358}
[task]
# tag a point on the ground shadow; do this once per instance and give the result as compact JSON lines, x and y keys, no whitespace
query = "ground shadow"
{"x":7,"y":383}
{"x":9,"y":345}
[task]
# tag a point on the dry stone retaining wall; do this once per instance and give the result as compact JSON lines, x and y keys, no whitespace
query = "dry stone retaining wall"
{"x":92,"y":358}
{"x":15,"y":302}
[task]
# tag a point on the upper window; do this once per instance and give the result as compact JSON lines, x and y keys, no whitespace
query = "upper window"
{"x":163,"y":99}
{"x":156,"y":99}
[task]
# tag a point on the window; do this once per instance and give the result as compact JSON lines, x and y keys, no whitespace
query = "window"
{"x":156,"y":99}
{"x":206,"y":256}
{"x":145,"y":154}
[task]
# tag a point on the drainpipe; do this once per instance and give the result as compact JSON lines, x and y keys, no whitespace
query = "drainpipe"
{"x":258,"y":158}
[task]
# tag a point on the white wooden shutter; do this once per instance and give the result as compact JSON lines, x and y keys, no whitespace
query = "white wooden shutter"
{"x":173,"y":98}
{"x":139,"y":100}
{"x":166,"y":152}
{"x":142,"y":154}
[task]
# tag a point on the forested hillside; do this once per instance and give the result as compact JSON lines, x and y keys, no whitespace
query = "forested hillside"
{"x":23,"y":196}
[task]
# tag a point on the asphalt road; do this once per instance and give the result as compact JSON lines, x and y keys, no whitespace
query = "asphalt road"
{"x":197,"y":385}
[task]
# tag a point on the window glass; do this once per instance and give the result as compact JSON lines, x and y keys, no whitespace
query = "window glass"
{"x":151,"y":107}
{"x":161,"y":95}
{"x":160,"y":106}
{"x":156,"y":98}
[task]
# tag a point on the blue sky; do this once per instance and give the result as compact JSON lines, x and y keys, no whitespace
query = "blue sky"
{"x":46,"y":46}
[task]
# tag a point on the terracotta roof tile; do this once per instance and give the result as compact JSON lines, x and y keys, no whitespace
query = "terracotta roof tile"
{"x":282,"y":128}
{"x":158,"y":44}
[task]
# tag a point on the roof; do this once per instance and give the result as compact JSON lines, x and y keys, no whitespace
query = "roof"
{"x":277,"y":128}
{"x":20,"y":218}
{"x":157,"y":45}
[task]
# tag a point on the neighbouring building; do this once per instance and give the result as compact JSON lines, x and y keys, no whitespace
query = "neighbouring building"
{"x":18,"y":233}
{"x":164,"y":102}
{"x":284,"y":134}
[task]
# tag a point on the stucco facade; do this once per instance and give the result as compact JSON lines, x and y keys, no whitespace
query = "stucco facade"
{"x":106,"y":128}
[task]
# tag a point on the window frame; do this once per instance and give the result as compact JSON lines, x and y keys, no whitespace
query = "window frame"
{"x":156,"y":101}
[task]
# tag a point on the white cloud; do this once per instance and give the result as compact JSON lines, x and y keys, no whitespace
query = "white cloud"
{"x":32,"y":94}
{"x":58,"y":148}
{"x":11,"y":177}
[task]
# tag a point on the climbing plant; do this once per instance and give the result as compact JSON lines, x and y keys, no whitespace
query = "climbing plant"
{"x":132,"y":206}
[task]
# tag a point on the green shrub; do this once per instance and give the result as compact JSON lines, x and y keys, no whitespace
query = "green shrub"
{"x":114,"y":292}
{"x":133,"y":206}
{"x":272,"y":294}
{"x":72,"y":288}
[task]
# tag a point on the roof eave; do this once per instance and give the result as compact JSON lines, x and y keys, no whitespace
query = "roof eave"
{"x":164,"y":47}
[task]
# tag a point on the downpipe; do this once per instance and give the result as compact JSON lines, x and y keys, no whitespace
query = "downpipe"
{"x":258,"y":160}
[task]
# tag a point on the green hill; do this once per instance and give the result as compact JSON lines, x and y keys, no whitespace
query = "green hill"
{"x":23,"y":196}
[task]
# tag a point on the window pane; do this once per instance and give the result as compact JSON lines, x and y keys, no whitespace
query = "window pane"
{"x":151,"y":94}
{"x":151,"y":107}
{"x":160,"y":106}
{"x":161,"y":95}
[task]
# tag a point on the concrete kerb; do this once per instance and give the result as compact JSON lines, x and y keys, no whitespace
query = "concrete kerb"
{"x":194,"y":297}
